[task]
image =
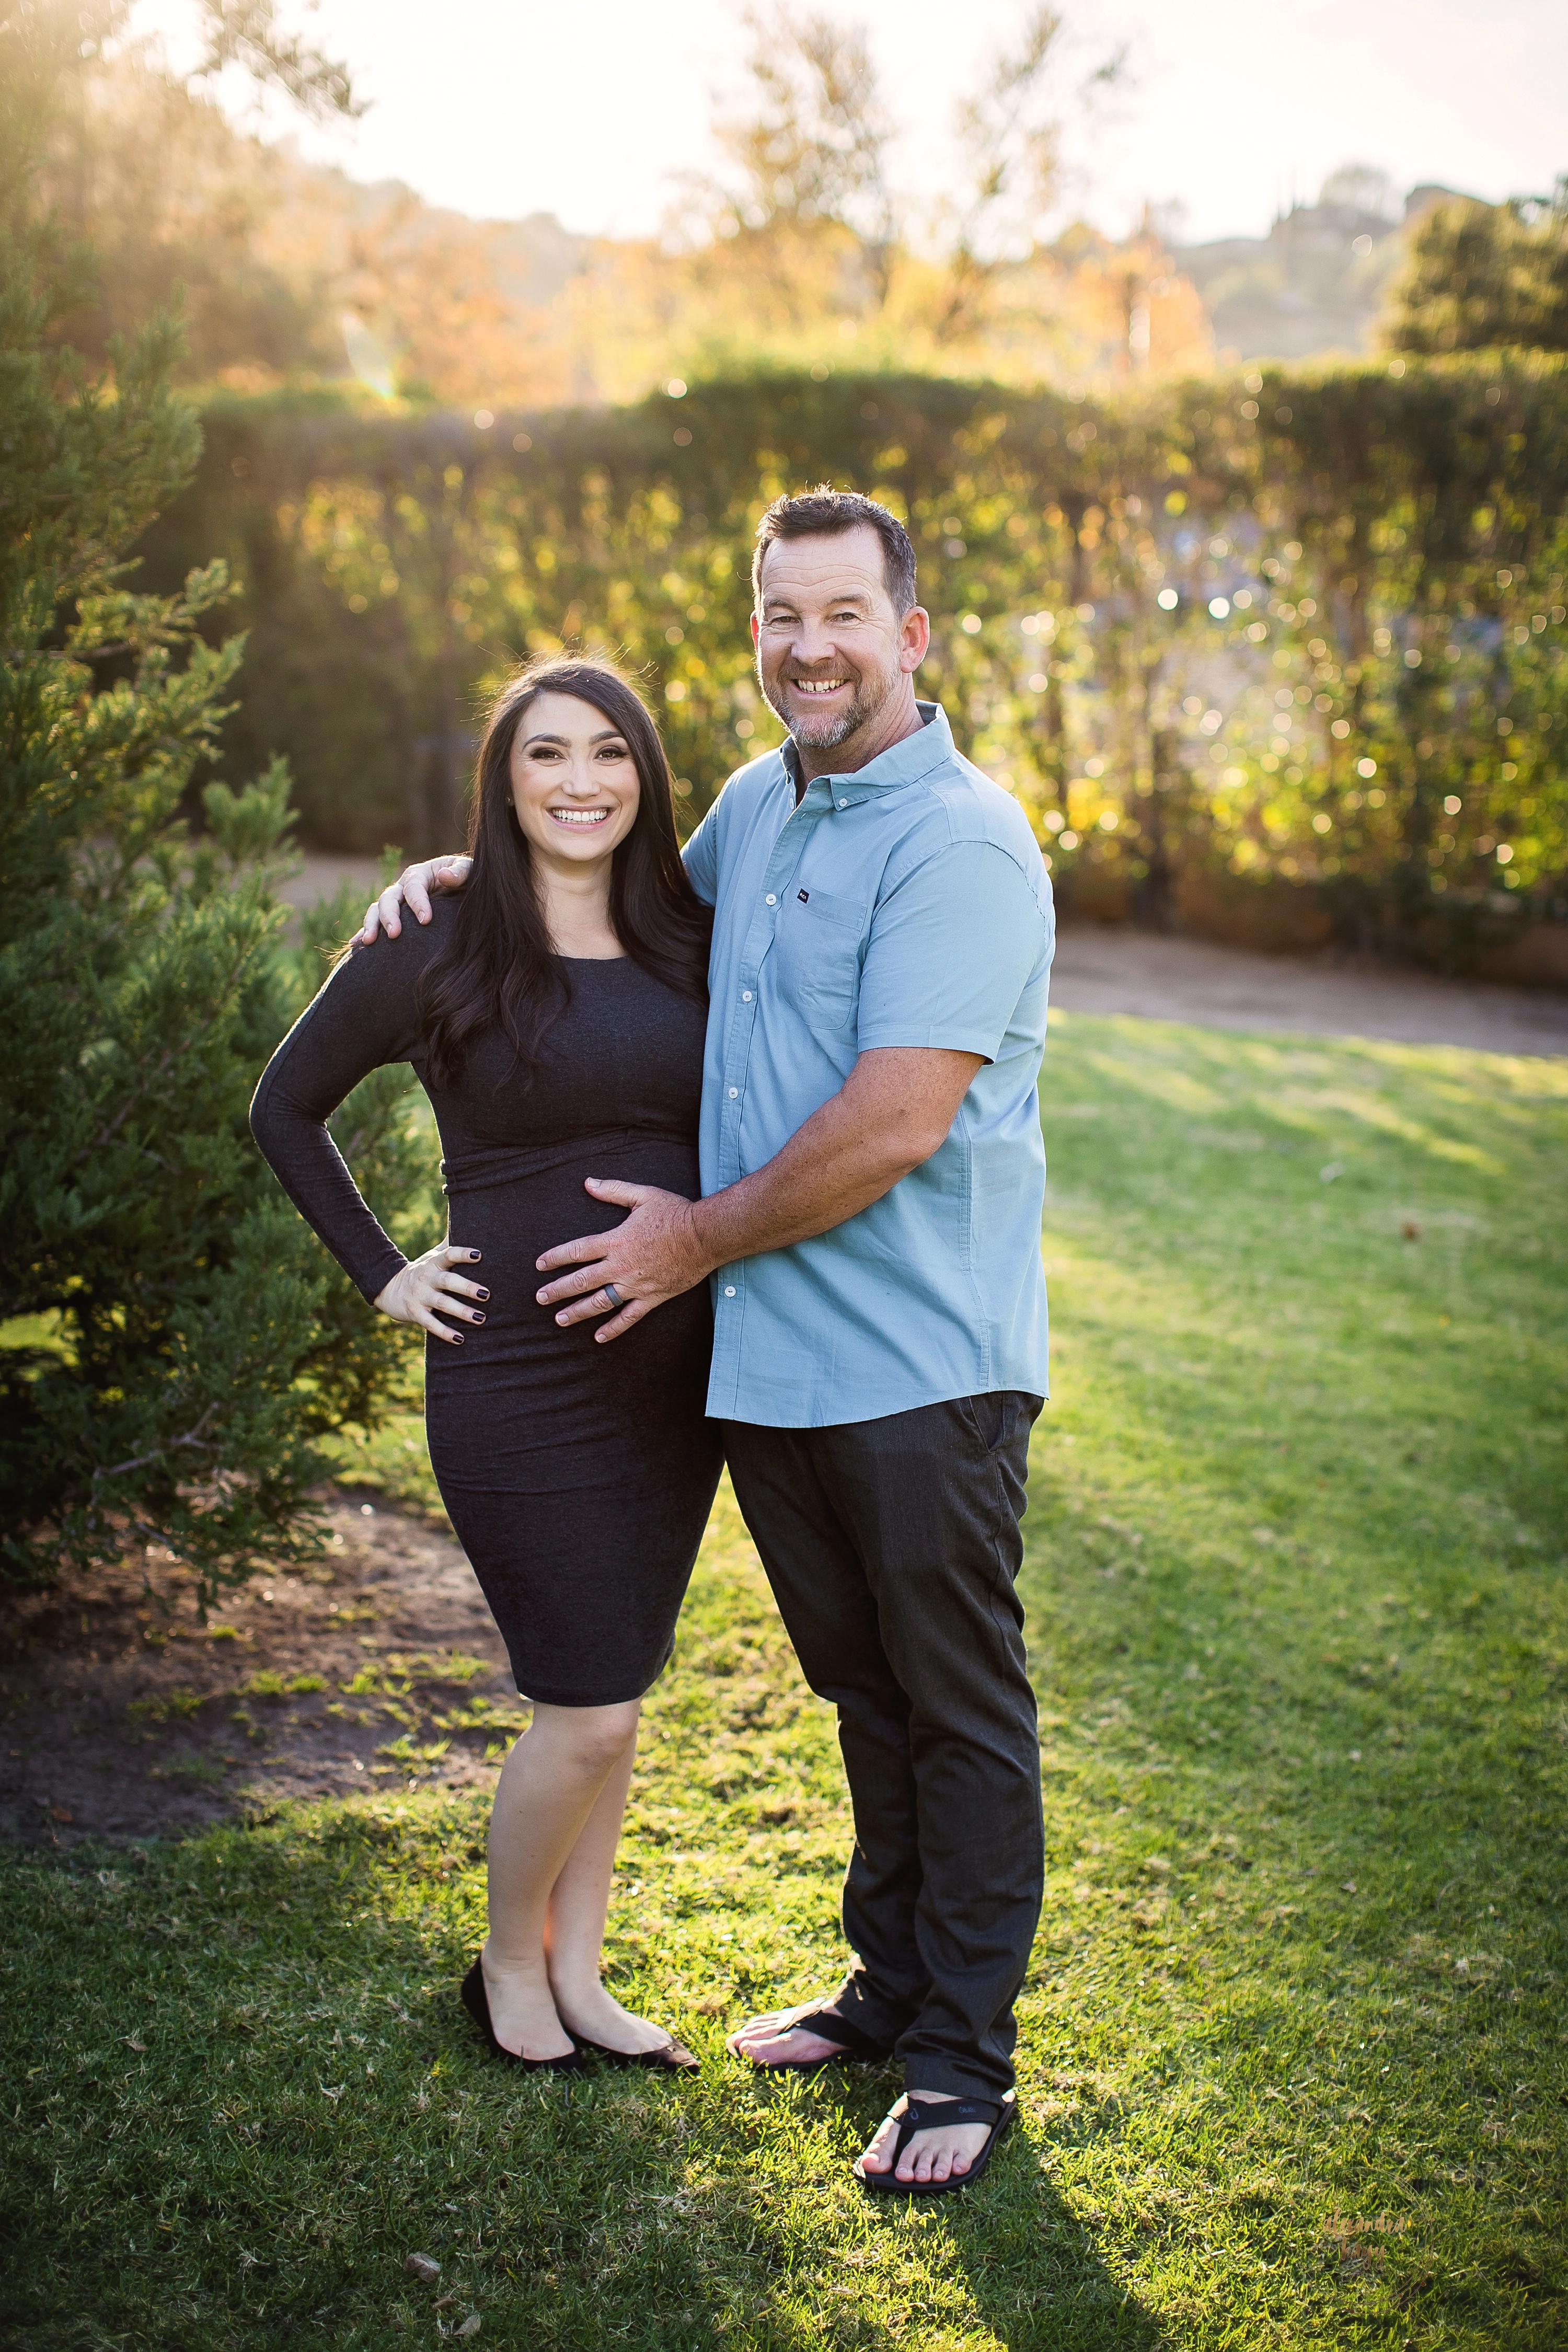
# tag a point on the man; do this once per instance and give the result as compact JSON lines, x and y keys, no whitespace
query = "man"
{"x":873,"y":1179}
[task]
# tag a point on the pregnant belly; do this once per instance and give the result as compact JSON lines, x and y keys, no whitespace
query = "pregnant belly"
{"x":560,"y":1377}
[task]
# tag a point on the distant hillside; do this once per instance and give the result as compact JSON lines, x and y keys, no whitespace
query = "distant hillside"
{"x":1315,"y":284}
{"x":289,"y":272}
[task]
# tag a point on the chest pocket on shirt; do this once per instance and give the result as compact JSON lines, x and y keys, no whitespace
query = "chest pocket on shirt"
{"x":816,"y":947}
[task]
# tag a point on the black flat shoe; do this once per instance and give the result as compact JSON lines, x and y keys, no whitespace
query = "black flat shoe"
{"x":671,"y":2057}
{"x":477,"y":2001}
{"x":852,"y":2043}
{"x":920,"y":2115}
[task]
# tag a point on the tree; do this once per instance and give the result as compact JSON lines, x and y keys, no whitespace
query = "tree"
{"x":172,"y":1342}
{"x":814,"y":149}
{"x":1010,"y":141}
{"x":246,"y":33}
{"x":1482,"y":276}
{"x":807,"y":157}
{"x":180,"y":207}
{"x":805,"y":232}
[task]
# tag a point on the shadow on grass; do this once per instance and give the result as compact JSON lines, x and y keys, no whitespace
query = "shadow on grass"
{"x":1292,"y":2049}
{"x":1007,"y":2263}
{"x":257,"y":2094}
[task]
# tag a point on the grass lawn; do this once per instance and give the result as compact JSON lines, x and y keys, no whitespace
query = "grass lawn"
{"x":1295,"y":2045}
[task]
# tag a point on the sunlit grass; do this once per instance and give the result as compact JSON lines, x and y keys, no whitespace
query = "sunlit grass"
{"x":1293,"y":2049}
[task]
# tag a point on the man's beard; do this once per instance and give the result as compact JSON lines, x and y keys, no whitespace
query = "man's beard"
{"x":828,"y":733}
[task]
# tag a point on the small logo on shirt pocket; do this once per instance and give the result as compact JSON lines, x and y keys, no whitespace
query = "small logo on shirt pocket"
{"x":819,"y":955}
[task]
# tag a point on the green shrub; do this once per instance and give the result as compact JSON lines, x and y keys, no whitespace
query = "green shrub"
{"x":172,"y":1342}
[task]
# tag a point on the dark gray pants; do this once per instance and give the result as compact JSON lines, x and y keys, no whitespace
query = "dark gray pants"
{"x":892,"y":1548}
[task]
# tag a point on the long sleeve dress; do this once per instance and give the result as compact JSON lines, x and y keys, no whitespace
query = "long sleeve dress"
{"x":578,"y":1477}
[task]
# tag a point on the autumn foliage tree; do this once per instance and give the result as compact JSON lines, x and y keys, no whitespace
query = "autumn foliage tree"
{"x":801,"y":243}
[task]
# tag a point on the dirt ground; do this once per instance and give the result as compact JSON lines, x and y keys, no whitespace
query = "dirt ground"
{"x":1101,"y":969}
{"x":124,"y":1717}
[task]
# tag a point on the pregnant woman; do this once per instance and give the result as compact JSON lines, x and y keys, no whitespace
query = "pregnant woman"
{"x":554,"y":1014}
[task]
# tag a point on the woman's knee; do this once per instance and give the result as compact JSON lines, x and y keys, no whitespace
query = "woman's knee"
{"x":590,"y":1738}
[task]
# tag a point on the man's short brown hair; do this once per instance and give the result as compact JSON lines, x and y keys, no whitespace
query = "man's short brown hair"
{"x":825,"y":513}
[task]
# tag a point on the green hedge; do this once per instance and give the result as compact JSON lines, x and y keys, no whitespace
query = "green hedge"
{"x":1387,"y":541}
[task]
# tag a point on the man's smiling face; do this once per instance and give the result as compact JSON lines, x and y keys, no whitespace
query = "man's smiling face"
{"x":832,"y":652}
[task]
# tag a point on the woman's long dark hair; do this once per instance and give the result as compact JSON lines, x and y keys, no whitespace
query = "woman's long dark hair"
{"x":498,"y":970}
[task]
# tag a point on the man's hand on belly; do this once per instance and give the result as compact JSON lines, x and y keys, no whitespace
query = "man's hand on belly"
{"x":656,"y":1254}
{"x":890,"y":1114}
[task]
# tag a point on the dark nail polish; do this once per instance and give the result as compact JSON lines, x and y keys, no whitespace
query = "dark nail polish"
{"x":478,"y":1318}
{"x":482,"y":1293}
{"x":476,"y":1256}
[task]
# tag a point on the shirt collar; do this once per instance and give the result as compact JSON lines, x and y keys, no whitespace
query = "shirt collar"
{"x":908,"y":762}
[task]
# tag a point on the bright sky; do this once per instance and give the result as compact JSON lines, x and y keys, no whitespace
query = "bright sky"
{"x":504,"y":107}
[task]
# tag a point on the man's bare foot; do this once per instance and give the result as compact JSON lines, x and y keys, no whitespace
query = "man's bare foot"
{"x":772,"y":2039}
{"x":942,"y":2153}
{"x":593,"y":2013}
{"x":523,"y":2016}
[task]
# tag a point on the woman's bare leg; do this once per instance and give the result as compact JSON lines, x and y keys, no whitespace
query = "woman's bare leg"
{"x":549,"y":1789}
{"x":574,"y":1931}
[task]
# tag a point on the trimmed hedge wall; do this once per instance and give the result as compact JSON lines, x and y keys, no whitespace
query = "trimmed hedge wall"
{"x":1281,"y":649}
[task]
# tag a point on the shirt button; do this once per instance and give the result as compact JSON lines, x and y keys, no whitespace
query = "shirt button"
{"x":728,"y":1290}
{"x":771,"y":900}
{"x":745,"y":996}
{"x":733,"y":1092}
{"x":843,"y":804}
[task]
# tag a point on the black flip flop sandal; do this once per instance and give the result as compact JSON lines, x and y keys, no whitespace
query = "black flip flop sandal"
{"x":671,"y":2057}
{"x":853,"y":2043}
{"x":477,"y":2001}
{"x":920,"y":2115}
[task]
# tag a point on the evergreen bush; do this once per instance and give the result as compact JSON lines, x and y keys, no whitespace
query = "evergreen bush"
{"x":173,"y":1343}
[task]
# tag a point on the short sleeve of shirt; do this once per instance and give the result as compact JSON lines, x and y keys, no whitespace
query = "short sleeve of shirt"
{"x":701,"y":857}
{"x":952,"y":950}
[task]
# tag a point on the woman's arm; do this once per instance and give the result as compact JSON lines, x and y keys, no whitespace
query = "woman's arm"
{"x":363,"y":1019}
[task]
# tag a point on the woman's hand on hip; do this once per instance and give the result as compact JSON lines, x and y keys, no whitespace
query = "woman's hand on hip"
{"x":428,"y":1287}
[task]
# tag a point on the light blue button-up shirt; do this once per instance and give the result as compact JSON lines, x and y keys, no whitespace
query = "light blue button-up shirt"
{"x":905,"y":905}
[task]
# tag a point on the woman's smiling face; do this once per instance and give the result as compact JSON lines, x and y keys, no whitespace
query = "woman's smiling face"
{"x":574,"y":784}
